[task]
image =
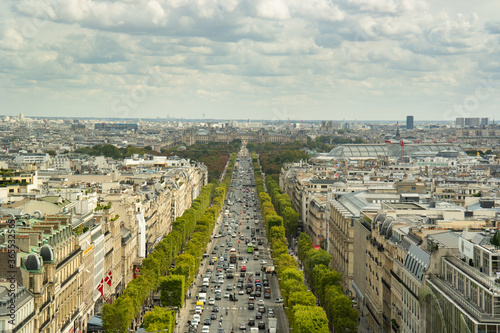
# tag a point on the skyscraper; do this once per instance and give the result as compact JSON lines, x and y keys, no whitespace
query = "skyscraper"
{"x":409,"y":122}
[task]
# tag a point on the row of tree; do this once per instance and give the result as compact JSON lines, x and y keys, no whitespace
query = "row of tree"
{"x":109,"y":150}
{"x":326,"y":285}
{"x":213,"y":154}
{"x":190,"y":233}
{"x":281,"y":201}
{"x":324,"y":282}
{"x":303,"y":313}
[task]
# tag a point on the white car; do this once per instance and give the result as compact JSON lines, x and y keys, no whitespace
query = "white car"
{"x":196,"y":319}
{"x":226,"y":295}
{"x":198,"y":310}
{"x":205,"y":329}
{"x":211,"y":301}
{"x":263,"y":262}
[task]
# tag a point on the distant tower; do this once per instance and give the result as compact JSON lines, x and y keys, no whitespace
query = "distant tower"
{"x":409,"y":122}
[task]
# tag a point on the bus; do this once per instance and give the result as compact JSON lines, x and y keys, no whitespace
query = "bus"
{"x":232,"y":256}
{"x":250,"y":247}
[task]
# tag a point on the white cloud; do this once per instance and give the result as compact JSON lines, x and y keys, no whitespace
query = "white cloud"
{"x":308,"y":56}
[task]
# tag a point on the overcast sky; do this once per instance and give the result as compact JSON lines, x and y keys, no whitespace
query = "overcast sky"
{"x":257,"y":59}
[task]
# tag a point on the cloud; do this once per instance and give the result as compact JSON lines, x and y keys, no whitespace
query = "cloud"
{"x":352,"y":55}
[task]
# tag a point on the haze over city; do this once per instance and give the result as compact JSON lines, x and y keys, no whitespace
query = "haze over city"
{"x":354,"y":59}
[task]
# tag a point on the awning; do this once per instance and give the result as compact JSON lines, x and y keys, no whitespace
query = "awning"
{"x":95,"y":324}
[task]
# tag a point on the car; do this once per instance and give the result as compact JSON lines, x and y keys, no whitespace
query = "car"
{"x":241,"y":292}
{"x":220,"y":330}
{"x":263,"y":262}
{"x":215,"y":308}
{"x":226,"y":295}
{"x":205,"y":329}
{"x":207,"y":321}
{"x":214,"y":252}
{"x":261,"y":309}
{"x":211,"y":301}
{"x":204,"y":289}
{"x":222,"y":244}
{"x":257,"y":273}
{"x":217,"y":296}
{"x":261,"y":325}
{"x":251,"y":306}
{"x":216,"y":247}
{"x":213,"y":316}
{"x":229,"y":287}
{"x":196,"y":319}
{"x":198,"y":310}
{"x":270,"y":313}
{"x":217,"y":290}
{"x":267,"y":295}
{"x":251,"y":322}
{"x":260,"y":302}
{"x":258,"y":315}
{"x":243,"y":327}
{"x":279,"y":300}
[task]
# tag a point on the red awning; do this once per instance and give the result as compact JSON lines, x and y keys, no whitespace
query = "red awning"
{"x":315,"y":246}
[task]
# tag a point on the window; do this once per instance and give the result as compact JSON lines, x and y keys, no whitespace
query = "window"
{"x":32,"y":283}
{"x":413,"y":188}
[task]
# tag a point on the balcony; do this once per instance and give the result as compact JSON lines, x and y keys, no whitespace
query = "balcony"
{"x":472,"y":272}
{"x":68,"y":258}
{"x":459,"y":298}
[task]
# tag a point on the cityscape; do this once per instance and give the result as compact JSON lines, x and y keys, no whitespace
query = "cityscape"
{"x":249,"y":166}
{"x":405,"y":214}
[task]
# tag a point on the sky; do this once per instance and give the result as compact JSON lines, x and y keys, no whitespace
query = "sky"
{"x":251,"y":59}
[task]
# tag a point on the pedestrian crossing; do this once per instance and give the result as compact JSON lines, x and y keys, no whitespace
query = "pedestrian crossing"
{"x":224,"y":308}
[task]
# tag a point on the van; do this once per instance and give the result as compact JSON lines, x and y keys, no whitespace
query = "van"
{"x":202,"y":297}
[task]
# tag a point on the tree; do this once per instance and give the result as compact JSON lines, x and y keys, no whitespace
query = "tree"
{"x":292,"y":273}
{"x":495,"y":240}
{"x":274,"y":221}
{"x":118,"y":316}
{"x":315,"y":258}
{"x":301,"y":297}
{"x":341,"y":314}
{"x":172,"y":290}
{"x":309,"y":319}
{"x":304,"y":244}
{"x":159,"y":319}
{"x":291,"y":219}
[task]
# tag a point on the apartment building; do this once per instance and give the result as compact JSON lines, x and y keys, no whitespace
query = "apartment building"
{"x":49,"y":263}
{"x":465,"y":293}
{"x":315,"y":217}
{"x":15,"y":297}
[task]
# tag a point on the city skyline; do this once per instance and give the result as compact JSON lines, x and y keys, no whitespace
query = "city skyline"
{"x":274,"y":60}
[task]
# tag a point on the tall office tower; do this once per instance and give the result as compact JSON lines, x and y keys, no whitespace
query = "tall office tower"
{"x":409,"y":122}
